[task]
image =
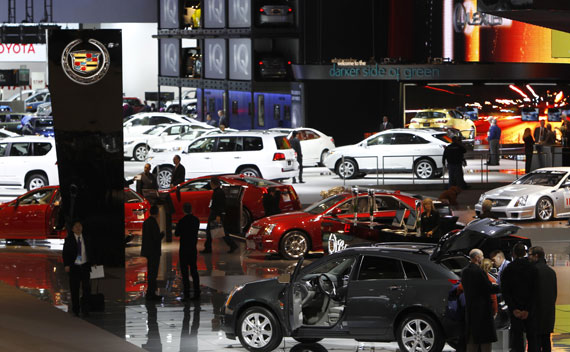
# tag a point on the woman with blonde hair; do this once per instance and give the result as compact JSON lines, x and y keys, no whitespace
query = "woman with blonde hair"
{"x":429,"y":218}
{"x":528,"y":149}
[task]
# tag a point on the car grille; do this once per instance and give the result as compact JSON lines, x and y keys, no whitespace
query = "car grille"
{"x":500,"y":202}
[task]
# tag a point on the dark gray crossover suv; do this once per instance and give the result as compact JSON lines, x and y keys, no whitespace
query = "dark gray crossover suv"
{"x":378,"y":292}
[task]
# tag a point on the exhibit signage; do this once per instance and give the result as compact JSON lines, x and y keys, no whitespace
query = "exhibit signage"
{"x":170,"y":57}
{"x":23,"y":52}
{"x":240,"y":59}
{"x":215,"y":58}
{"x":169,"y":17}
{"x":214,"y":14}
{"x":239,"y":13}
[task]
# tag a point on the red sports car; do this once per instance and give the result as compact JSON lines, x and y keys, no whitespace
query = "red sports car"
{"x":197,"y":192}
{"x":295,"y":234}
{"x":33,"y":215}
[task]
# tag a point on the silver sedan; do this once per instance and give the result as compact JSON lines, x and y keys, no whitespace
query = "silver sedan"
{"x":542,"y":194}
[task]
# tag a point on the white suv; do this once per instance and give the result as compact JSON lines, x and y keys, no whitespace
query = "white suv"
{"x":29,"y":162}
{"x":259,"y":154}
{"x":395,"y":150}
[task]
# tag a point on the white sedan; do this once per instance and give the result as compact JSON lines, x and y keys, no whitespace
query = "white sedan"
{"x":542,"y":194}
{"x":141,"y":122}
{"x":137,"y":146}
{"x":182,"y":142}
{"x":315,"y":145}
{"x":395,"y":150}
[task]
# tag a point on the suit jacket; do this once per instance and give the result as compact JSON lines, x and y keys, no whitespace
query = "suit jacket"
{"x":218,"y":203}
{"x":151,"y":239}
{"x":389,"y":126}
{"x":187,"y":229}
{"x":146,"y":182}
{"x":296,"y":145}
{"x":69,"y":252}
{"x":537,"y":138}
{"x":179,"y":175}
{"x":518,"y":283}
{"x":546,"y":298}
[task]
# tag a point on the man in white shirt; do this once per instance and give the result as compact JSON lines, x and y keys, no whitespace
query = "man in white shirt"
{"x":76,"y":261}
{"x":499,"y":262}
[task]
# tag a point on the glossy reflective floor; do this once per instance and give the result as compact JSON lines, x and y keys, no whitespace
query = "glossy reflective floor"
{"x":172,"y":325}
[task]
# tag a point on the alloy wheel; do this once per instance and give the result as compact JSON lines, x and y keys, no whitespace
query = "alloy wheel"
{"x":295,"y":245}
{"x":346,"y":169}
{"x":544,"y":209}
{"x":140,"y":153}
{"x":424,"y":169}
{"x":418,"y":335}
{"x":37,"y":183}
{"x":164,"y":177}
{"x":256,"y":330}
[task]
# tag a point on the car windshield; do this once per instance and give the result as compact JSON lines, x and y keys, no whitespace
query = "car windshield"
{"x":442,"y":137}
{"x":155,"y":130}
{"x":541,"y":178}
{"x":259,"y":182}
{"x":324,"y":204}
{"x":430,"y":115}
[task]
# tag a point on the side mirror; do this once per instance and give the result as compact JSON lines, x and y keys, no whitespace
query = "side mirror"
{"x":336,"y":211}
{"x":284,"y":278}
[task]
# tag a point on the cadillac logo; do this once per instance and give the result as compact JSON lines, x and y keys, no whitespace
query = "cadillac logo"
{"x":88,"y":65}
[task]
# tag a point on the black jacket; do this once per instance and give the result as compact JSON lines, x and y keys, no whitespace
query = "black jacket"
{"x":518,"y":283}
{"x":179,"y":175}
{"x":218,"y":203}
{"x":430,"y":223}
{"x":146,"y":182}
{"x":271,"y":203}
{"x":187,"y":229}
{"x":69,"y":252}
{"x":536,"y":133}
{"x":296,"y":145}
{"x":528,"y":144}
{"x":546,"y":297}
{"x":389,"y":126}
{"x":151,"y":239}
{"x":453,"y":153}
{"x":479,"y":307}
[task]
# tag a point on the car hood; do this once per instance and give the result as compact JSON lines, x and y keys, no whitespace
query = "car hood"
{"x":285,"y":217}
{"x":345,"y":148}
{"x":513,"y":190}
{"x":172,"y":144}
{"x":474,"y":235}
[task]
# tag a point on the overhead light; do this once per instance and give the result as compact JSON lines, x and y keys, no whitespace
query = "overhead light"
{"x":497,"y":84}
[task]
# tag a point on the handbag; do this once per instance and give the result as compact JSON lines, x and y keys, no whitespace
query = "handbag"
{"x":97,"y":272}
{"x":217,"y":230}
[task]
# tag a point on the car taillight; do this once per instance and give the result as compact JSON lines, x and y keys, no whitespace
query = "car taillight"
{"x":278,"y":156}
{"x":290,"y":10}
{"x":332,"y":140}
{"x":453,"y":281}
{"x":441,"y":121}
{"x":261,"y":10}
{"x":260,"y":63}
{"x":288,"y":62}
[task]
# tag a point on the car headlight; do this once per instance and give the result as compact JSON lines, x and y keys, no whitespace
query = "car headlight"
{"x":175,"y":149}
{"x":521,"y":202}
{"x":234,"y":291}
{"x":481,"y":199}
{"x":268,"y":229}
{"x":129,"y":142}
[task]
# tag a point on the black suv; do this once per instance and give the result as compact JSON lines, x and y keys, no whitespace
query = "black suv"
{"x":381,"y":292}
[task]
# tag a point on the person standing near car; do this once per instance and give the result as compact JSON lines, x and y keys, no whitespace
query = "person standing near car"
{"x":519,"y":285}
{"x":453,"y":155}
{"x":296,"y":145}
{"x":210,"y":121}
{"x":494,"y":136}
{"x":271,"y":201}
{"x":179,"y":172}
{"x":151,"y":249}
{"x":540,"y":134}
{"x":479,"y":327}
{"x":222,"y":119}
{"x":187,"y":229}
{"x":429,"y":218}
{"x":77,"y":260}
{"x":147,"y":184}
{"x":546,"y":298}
{"x":217,"y":210}
{"x":528,"y":150}
{"x":386,"y":125}
{"x":499,"y":262}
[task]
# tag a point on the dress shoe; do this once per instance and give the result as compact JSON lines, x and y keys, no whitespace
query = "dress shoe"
{"x":301,"y":181}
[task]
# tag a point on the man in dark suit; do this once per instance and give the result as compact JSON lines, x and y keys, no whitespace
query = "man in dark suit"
{"x":151,"y":250}
{"x":480,"y":330}
{"x":540,"y":135}
{"x":147,"y":185}
{"x":77,"y":259}
{"x":519,"y":285}
{"x":217,"y":209}
{"x":547,"y":291}
{"x":179,"y":172}
{"x":295,"y":141}
{"x":187,"y":229}
{"x":222,"y":119}
{"x":386,"y":125}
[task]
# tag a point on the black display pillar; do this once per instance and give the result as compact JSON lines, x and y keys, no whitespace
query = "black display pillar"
{"x":85,"y":81}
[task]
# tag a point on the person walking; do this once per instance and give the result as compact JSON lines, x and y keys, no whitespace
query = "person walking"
{"x":494,"y":136}
{"x":296,"y":145}
{"x":479,"y":327}
{"x":78,"y":257}
{"x":151,"y":250}
{"x":519,"y":286}
{"x":547,"y":291}
{"x":386,"y":125}
{"x":217,"y":210}
{"x":187,"y":229}
{"x":453,"y":156}
{"x":528,"y":150}
{"x":179,"y":172}
{"x":499,"y":262}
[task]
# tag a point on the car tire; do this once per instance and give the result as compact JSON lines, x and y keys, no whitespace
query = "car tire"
{"x":35,"y":181}
{"x":324,"y":154}
{"x":429,"y":339}
{"x":424,"y":169}
{"x":249,"y":171}
{"x":164,"y":177}
{"x":294,"y":244}
{"x":348,"y":169}
{"x":258,"y":330}
{"x":307,"y":339}
{"x":245,"y":219}
{"x":544,"y":209}
{"x":140,"y":152}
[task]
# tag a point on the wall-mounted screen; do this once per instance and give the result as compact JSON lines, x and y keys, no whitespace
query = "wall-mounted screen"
{"x":529,"y":114}
{"x":170,"y":57}
{"x":214,"y":14}
{"x":240,"y":59}
{"x":215,"y":58}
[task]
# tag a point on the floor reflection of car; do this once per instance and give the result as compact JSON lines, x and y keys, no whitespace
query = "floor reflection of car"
{"x":35,"y":214}
{"x":382,"y":292}
{"x":444,"y":118}
{"x":273,"y":67}
{"x":198,"y":193}
{"x":543,"y":194}
{"x":396,"y":150}
{"x":295,"y":234}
